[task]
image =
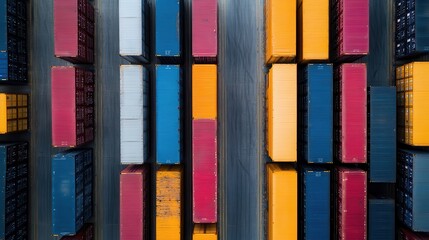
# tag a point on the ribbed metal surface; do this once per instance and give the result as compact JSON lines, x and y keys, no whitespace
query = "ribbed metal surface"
{"x":381,"y":219}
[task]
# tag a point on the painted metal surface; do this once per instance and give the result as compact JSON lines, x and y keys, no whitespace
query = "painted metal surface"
{"x":204,"y":29}
{"x":205,"y":232}
{"x":168,"y":23}
{"x":381,"y":219}
{"x":14,"y":113}
{"x":204,"y":91}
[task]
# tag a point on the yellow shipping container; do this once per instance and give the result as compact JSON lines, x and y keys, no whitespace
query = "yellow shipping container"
{"x":204,"y":91}
{"x":313,"y":30}
{"x":205,"y":232}
{"x":280,"y":30}
{"x":282,"y":113}
{"x":13,"y":112}
{"x":282,"y":202}
{"x":169,"y":203}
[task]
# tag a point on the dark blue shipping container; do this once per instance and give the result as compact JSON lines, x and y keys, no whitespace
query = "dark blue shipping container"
{"x":316,"y":203}
{"x":316,"y":113}
{"x":13,"y":41}
{"x":14,"y":191}
{"x":412,"y":193}
{"x":168,"y":114}
{"x":167,"y":24}
{"x":69,"y":181}
{"x":381,"y":222}
{"x":382,"y":134}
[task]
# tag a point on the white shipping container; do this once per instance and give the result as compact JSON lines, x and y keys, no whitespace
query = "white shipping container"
{"x":132,"y":25}
{"x":133,"y":110}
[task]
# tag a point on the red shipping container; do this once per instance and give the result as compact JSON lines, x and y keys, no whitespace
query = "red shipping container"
{"x":353,"y":117}
{"x":72,"y":106}
{"x":351,"y":204}
{"x":204,"y":174}
{"x":204,"y":29}
{"x":133,"y":203}
{"x":86,"y":233}
{"x":355,"y":25}
{"x":74,"y":30}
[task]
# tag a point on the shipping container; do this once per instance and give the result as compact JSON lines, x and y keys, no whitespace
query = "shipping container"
{"x":74,"y":30}
{"x":14,"y":191}
{"x":204,"y":91}
{"x":316,"y":203}
{"x":86,"y":233}
{"x":315,"y":113}
{"x":280,"y":21}
{"x":204,"y":30}
{"x":412,"y":34}
{"x":204,"y":170}
{"x":134,"y":205}
{"x":133,"y":29}
{"x":14,"y":113}
{"x":350,"y":113}
{"x":169,"y":203}
{"x":351,"y":204}
{"x":168,"y":114}
{"x":381,"y":218}
{"x":313,"y":30}
{"x":282,"y":113}
{"x":411,"y":193}
{"x":205,"y":232}
{"x":72,"y":92}
{"x":13,"y":42}
{"x":168,"y":28}
{"x":282,"y":192}
{"x":134,"y":108}
{"x":349,"y":29}
{"x":406,"y":234}
{"x":412,"y":98}
{"x":382,"y":134}
{"x":68,"y":190}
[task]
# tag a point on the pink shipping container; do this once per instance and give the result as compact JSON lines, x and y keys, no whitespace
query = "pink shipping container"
{"x":352,"y":113}
{"x":133,"y":203}
{"x":72,"y":92}
{"x":352,"y":27}
{"x":74,"y":30}
{"x":204,"y":29}
{"x":351,"y":204}
{"x":204,"y":175}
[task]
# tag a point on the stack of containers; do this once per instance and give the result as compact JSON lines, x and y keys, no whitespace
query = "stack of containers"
{"x":412,"y":35}
{"x":13,"y":42}
{"x":412,"y":194}
{"x":72,"y":191}
{"x":73,"y":114}
{"x":382,"y":134}
{"x":204,"y":118}
{"x":14,"y":199}
{"x":351,"y":203}
{"x":134,"y":120}
{"x":13,"y":113}
{"x":412,"y":98}
{"x":281,"y":118}
{"x":381,"y":219}
{"x":86,"y":233}
{"x":168,"y":116}
{"x":74,"y":30}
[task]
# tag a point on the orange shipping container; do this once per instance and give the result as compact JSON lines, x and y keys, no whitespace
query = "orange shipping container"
{"x":169,"y":203}
{"x":13,"y":112}
{"x":205,"y":232}
{"x":282,"y":202}
{"x":280,"y":30}
{"x":282,"y":113}
{"x":313,"y":29}
{"x":204,"y":91}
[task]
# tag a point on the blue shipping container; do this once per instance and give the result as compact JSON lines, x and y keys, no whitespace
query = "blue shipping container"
{"x":167,"y":24}
{"x":316,"y":113}
{"x":68,"y":190}
{"x":316,"y":203}
{"x":168,"y":114}
{"x":382,"y":134}
{"x":381,"y":219}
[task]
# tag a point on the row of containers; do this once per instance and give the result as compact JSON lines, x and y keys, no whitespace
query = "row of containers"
{"x":14,"y":112}
{"x":135,"y":140}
